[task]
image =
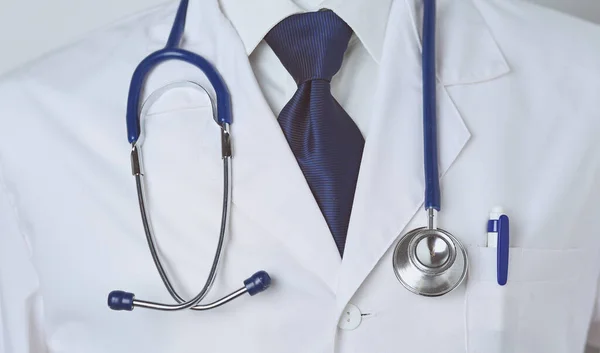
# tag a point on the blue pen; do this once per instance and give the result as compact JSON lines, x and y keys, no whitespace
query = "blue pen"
{"x":499,"y":237}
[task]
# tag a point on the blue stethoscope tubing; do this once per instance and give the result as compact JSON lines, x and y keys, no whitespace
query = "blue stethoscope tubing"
{"x":430,"y":261}
{"x":432,"y":180}
{"x":173,"y":52}
{"x":257,"y":283}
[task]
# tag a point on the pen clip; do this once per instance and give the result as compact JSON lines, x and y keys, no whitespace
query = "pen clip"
{"x":503,"y":250}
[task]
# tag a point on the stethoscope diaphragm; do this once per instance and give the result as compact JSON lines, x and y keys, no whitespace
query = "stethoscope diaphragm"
{"x":430,"y":262}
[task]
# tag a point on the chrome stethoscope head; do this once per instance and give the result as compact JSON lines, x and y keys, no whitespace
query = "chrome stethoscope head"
{"x":430,"y":261}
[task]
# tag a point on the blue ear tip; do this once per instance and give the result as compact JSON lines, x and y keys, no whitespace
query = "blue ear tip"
{"x":259,"y":282}
{"x":119,"y":300}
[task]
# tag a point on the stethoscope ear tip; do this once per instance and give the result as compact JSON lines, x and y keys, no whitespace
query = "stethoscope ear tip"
{"x":258,"y":282}
{"x":119,"y":300}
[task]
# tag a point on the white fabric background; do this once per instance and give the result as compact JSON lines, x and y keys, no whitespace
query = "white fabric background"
{"x":28,"y":29}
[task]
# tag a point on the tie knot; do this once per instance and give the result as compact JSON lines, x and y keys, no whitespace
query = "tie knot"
{"x":311,"y":45}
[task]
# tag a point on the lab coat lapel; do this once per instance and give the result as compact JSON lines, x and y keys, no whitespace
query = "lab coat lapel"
{"x":269,"y":186}
{"x":391,"y":186}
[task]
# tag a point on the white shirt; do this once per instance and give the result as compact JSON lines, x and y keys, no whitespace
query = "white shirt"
{"x":353,"y":86}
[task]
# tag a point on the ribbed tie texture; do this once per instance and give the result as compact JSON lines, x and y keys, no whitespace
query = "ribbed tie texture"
{"x":325,"y":141}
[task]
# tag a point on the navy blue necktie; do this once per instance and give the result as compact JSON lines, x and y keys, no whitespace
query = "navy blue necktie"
{"x":326,"y":142}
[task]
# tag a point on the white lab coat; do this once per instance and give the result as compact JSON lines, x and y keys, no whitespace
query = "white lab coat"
{"x":518,"y":124}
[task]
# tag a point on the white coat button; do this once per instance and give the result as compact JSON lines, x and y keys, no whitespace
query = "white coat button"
{"x":351,"y":318}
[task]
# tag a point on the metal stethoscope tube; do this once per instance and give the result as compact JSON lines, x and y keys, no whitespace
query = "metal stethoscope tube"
{"x":226,"y":299}
{"x":182,"y":304}
{"x":191,"y":304}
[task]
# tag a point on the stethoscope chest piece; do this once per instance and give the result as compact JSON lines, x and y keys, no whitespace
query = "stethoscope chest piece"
{"x":430,"y":262}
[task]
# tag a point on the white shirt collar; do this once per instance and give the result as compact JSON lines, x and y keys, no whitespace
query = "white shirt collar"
{"x":253,"y":19}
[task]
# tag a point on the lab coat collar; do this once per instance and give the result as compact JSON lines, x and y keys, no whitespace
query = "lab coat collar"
{"x":254,"y":19}
{"x":466,"y":50}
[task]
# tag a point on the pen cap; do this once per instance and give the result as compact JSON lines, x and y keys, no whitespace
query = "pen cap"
{"x":496,"y":212}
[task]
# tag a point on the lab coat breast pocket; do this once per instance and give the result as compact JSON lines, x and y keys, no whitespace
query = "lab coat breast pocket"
{"x":540,"y":309}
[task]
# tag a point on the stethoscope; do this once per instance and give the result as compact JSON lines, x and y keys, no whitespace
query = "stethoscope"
{"x":430,"y":261}
{"x":427,"y":261}
{"x":260,"y":281}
